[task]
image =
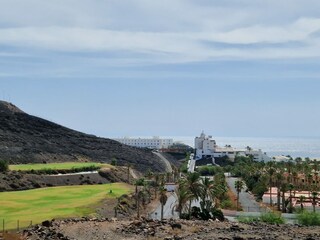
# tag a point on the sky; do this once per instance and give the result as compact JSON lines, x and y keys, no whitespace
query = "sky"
{"x":233,"y":68}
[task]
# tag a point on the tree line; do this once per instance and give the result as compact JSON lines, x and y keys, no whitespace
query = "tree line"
{"x":287,"y":176}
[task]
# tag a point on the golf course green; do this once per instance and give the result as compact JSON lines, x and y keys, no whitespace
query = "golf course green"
{"x":55,"y":202}
{"x":56,"y":166}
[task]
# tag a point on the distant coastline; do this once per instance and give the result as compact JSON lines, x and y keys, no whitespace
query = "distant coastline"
{"x":273,"y":146}
{"x":295,"y":147}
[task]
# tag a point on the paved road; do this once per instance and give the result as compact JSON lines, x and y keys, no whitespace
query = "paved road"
{"x":246,"y":200}
{"x":167,"y":163}
{"x":132,"y":173}
{"x":168,"y":210}
{"x":191,"y":163}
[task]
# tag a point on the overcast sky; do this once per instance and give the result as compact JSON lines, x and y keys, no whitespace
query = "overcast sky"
{"x":170,"y":67}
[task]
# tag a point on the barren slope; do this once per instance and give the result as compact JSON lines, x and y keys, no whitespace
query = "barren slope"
{"x":28,"y":139}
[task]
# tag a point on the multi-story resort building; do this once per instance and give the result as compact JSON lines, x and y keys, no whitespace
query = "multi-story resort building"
{"x":206,"y":147}
{"x":153,"y":143}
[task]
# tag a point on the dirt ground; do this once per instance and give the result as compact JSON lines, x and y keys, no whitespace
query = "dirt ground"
{"x":93,"y":229}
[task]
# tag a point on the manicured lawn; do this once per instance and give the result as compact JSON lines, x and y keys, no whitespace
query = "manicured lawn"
{"x":56,"y":166}
{"x":55,"y":202}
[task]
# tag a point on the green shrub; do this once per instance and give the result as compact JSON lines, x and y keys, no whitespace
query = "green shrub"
{"x":204,"y":214}
{"x":272,"y":218}
{"x":309,"y":218}
{"x":4,"y":166}
{"x":226,"y":203}
{"x":259,"y":190}
{"x":114,"y":162}
{"x":185,"y":216}
{"x":184,"y":167}
{"x":209,"y":170}
{"x":196,"y":212}
{"x":243,"y":219}
{"x":217,"y":214}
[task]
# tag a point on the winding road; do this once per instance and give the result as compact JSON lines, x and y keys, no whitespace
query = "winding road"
{"x":167,"y":163}
{"x":191,"y":163}
{"x":168,"y":210}
{"x":247,"y":201}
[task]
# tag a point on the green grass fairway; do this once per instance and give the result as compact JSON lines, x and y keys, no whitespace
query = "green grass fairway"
{"x":56,"y":166}
{"x":55,"y":202}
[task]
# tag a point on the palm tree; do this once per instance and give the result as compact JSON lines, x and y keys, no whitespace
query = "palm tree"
{"x":137,"y":183}
{"x":147,"y":190}
{"x":175,"y":174}
{"x":206,"y":194}
{"x":163,"y":199}
{"x":310,"y":179}
{"x":149,"y":174}
{"x":314,"y":195}
{"x":192,"y":183}
{"x":140,"y":195}
{"x":128,"y":172}
{"x":283,"y":189}
{"x":290,"y":187}
{"x":301,"y":200}
{"x":156,"y":184}
{"x":298,"y":162}
{"x":295,"y":177}
{"x":290,"y":165}
{"x":279,"y":182}
{"x":271,"y":171}
{"x":239,"y":186}
{"x":219,"y":188}
{"x":316,"y":175}
{"x":183,"y":196}
{"x":169,"y":176}
{"x":162,"y":179}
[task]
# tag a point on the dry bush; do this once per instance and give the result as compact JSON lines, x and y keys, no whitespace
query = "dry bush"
{"x":175,"y":231}
{"x":154,"y":238}
{"x":194,"y":229}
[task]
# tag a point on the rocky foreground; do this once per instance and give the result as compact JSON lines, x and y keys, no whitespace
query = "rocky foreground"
{"x":86,"y":229}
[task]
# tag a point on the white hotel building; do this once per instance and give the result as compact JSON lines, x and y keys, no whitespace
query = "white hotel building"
{"x":205,"y":146}
{"x":153,"y":143}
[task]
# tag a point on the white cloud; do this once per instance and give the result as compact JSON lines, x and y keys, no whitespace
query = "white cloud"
{"x":185,"y":45}
{"x":166,"y":31}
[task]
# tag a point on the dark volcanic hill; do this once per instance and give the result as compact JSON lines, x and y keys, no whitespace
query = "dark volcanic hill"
{"x":29,"y":139}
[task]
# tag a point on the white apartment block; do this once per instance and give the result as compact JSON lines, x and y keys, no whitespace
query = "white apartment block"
{"x":205,"y":146}
{"x":153,"y":143}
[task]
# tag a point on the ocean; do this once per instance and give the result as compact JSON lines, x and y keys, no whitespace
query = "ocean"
{"x":295,"y":147}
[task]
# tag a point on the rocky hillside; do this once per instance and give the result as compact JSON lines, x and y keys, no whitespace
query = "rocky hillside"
{"x":29,"y":139}
{"x":15,"y":180}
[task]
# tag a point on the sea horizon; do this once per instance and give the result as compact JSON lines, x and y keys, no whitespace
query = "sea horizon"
{"x":273,"y":146}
